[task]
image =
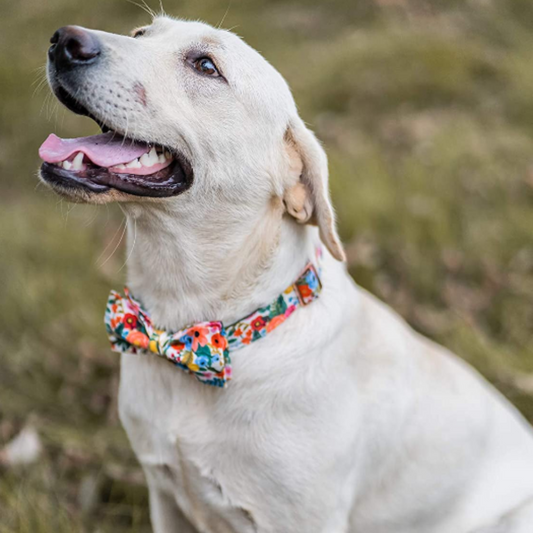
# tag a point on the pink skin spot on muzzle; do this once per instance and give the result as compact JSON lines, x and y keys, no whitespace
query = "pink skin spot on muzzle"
{"x":140,"y":94}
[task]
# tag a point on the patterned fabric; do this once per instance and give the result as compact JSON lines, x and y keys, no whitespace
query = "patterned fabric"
{"x":203,"y":349}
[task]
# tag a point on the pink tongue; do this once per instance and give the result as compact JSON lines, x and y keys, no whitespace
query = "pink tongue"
{"x":105,"y":150}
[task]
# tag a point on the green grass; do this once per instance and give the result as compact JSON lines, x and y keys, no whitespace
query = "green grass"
{"x":426,"y":110}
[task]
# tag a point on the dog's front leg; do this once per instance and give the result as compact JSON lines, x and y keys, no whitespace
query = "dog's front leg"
{"x":165,"y":515}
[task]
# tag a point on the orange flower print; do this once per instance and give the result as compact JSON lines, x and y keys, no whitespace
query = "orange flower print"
{"x":130,"y":321}
{"x":138,"y":339}
{"x":219,"y":341}
{"x":198,"y":335}
{"x":305,"y":291}
{"x":275,"y":322}
{"x":247,"y":339}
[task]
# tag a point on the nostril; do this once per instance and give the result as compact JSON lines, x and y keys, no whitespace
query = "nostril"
{"x":81,"y":49}
{"x":73,"y":45}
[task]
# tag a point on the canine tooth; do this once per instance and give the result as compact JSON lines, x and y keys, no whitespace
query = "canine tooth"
{"x":161,"y":158}
{"x":167,"y":154}
{"x":150,"y":158}
{"x":67,"y":165}
{"x":121,"y":166}
{"x":134,"y":164}
{"x":77,"y":161}
{"x":153,"y":155}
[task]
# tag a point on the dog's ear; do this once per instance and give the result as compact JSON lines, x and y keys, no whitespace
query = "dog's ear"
{"x":308,"y":200}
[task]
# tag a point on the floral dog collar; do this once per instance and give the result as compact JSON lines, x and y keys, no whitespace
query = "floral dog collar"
{"x":203,"y":349}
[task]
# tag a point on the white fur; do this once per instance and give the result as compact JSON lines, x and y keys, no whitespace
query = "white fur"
{"x":342,"y":420}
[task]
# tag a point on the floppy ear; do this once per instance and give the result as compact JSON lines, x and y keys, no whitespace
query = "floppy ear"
{"x":308,"y":200}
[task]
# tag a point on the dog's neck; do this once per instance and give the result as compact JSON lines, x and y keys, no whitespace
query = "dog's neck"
{"x":202,"y":264}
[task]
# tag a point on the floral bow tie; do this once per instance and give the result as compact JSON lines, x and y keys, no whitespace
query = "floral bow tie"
{"x":203,"y":349}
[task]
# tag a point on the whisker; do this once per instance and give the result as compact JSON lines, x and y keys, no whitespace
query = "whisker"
{"x":39,"y":87}
{"x":110,"y":242}
{"x":49,"y":102}
{"x":144,"y":7}
{"x":39,"y":78}
{"x":133,"y":245}
{"x":117,"y":246}
{"x":37,"y":69}
{"x":92,"y":218}
{"x":70,"y":207}
{"x":225,"y":15}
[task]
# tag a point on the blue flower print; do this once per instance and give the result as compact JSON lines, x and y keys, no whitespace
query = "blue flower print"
{"x":311,"y":280}
{"x":202,"y":361}
{"x":187,"y":340}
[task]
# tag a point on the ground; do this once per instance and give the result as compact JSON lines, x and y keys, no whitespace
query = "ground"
{"x":426,"y":111}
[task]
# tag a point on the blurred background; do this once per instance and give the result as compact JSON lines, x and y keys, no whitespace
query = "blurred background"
{"x":426,"y":110}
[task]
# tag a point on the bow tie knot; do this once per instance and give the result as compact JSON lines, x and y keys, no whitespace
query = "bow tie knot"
{"x":201,"y":349}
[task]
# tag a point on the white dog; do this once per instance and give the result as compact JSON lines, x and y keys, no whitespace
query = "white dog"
{"x":342,"y":419}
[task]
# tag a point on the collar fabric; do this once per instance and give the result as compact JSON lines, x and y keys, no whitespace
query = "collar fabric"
{"x":204,"y":348}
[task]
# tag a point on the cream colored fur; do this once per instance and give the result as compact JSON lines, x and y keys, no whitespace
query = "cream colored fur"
{"x":343,"y":420}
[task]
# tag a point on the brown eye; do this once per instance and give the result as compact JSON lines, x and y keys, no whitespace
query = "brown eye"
{"x":138,"y":33}
{"x":206,"y":66}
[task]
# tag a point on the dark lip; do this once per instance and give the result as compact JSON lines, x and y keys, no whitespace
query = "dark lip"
{"x":170,"y":181}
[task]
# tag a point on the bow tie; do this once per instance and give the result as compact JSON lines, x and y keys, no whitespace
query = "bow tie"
{"x":203,"y":349}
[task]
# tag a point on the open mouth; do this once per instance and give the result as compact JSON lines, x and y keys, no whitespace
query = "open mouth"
{"x":109,"y":160}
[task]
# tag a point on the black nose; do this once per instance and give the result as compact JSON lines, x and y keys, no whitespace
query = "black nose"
{"x":73,"y":46}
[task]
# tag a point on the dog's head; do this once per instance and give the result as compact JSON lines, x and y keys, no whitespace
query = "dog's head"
{"x":187,"y":112}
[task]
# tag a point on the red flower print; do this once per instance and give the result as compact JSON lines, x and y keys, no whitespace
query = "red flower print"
{"x":177,"y":345}
{"x":258,"y":323}
{"x":130,"y":321}
{"x":198,"y":335}
{"x":219,"y":341}
{"x":138,"y":339}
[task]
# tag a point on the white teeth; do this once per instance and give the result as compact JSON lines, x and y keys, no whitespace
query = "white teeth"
{"x":153,"y":155}
{"x":77,"y":162}
{"x":150,"y":158}
{"x":134,"y":164}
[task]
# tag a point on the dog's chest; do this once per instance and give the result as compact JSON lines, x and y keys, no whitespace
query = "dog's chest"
{"x":176,"y":435}
{"x":214,"y":451}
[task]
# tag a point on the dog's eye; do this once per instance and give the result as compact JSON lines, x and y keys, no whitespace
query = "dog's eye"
{"x":138,"y":33}
{"x":206,"y":66}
